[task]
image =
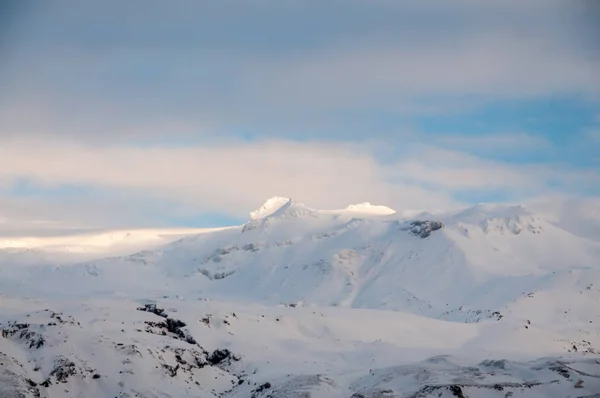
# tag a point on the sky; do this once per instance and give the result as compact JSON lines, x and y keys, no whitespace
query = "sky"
{"x":186,"y":113}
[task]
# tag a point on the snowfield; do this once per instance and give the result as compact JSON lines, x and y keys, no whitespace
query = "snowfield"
{"x":361,"y":302}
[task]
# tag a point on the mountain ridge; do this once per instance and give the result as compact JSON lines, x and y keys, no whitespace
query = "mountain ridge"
{"x":299,"y":302}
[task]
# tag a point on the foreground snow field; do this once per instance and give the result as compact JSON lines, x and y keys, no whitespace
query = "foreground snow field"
{"x":489,"y":301}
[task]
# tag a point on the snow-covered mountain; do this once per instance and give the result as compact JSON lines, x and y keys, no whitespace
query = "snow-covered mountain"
{"x":363,"y":301}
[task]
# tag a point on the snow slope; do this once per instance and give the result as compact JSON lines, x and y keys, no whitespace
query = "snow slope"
{"x":360,"y":302}
{"x":104,"y":348}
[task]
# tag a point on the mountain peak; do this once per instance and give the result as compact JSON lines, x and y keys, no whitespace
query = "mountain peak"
{"x":279,"y":204}
{"x":367,"y":207}
{"x":269,"y":207}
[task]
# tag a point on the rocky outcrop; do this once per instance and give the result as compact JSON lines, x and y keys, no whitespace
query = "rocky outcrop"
{"x":423,"y":229}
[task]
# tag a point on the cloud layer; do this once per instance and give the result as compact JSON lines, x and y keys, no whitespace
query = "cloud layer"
{"x":213,"y":107}
{"x":234,"y":178}
{"x":205,"y":67}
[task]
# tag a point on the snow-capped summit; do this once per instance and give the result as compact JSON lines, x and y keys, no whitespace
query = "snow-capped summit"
{"x":269,"y":207}
{"x":276,"y":210}
{"x":282,"y":207}
{"x":294,"y":210}
{"x":368,"y":208}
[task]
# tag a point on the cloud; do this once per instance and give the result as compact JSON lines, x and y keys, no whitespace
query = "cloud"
{"x":483,"y":144}
{"x":231,"y":178}
{"x":593,"y":135}
{"x":453,"y":171}
{"x":214,"y":107}
{"x":225,"y":68}
{"x":490,"y":68}
{"x":331,"y":91}
{"x":39,"y":215}
{"x":234,"y":178}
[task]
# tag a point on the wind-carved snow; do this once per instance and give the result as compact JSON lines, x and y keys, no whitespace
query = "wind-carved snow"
{"x":314,"y":303}
{"x":292,"y":211}
{"x":269,"y":207}
{"x":500,"y":219}
{"x":514,"y":225}
{"x":369,"y":208}
{"x":286,"y":212}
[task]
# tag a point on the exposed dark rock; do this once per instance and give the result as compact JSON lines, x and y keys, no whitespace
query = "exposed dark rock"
{"x":171,"y":370}
{"x":175,"y":325}
{"x":251,"y":247}
{"x":494,"y":363}
{"x":583,"y":347}
{"x":423,"y":228}
{"x":219,"y":356}
{"x":470,"y":316}
{"x":22,"y":331}
{"x":153,"y":309}
{"x":161,"y":326}
{"x":561,"y":370}
{"x":260,"y":389}
{"x":216,"y":275}
{"x":180,"y":360}
{"x":37,"y":342}
{"x":63,"y":369}
{"x":457,"y":391}
{"x":169,"y":325}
